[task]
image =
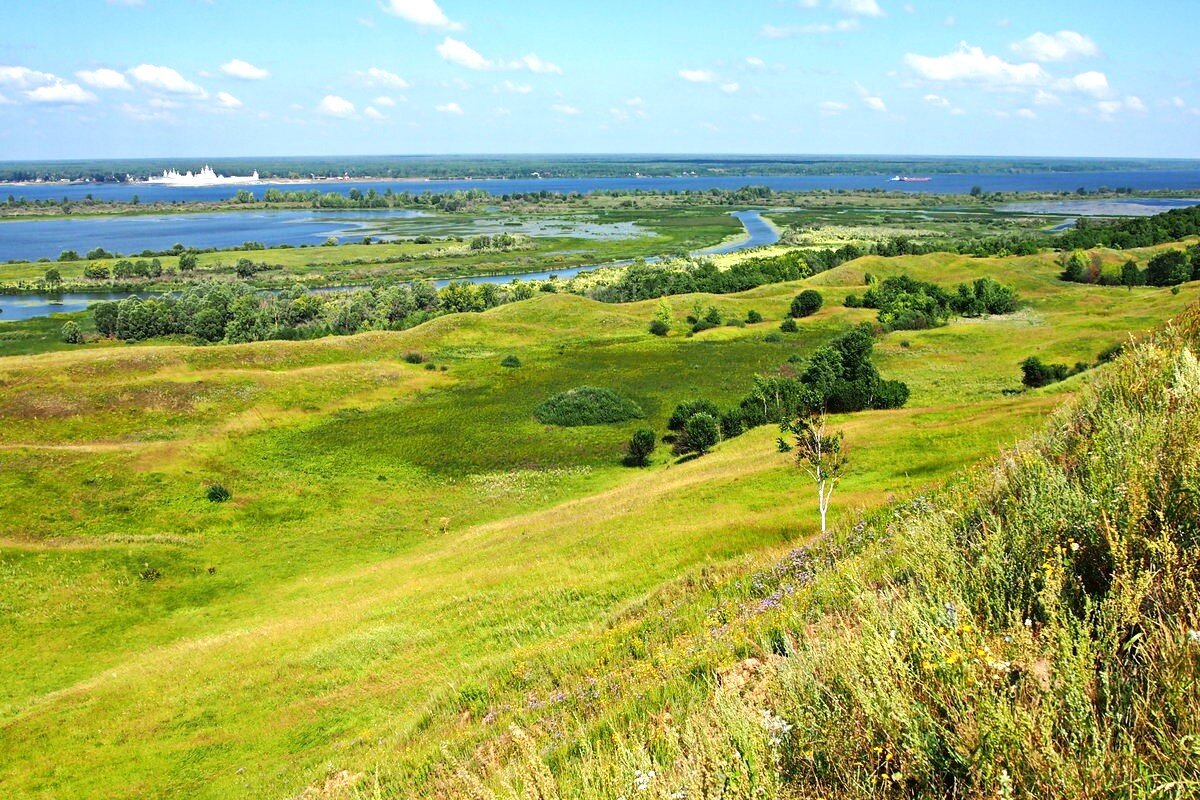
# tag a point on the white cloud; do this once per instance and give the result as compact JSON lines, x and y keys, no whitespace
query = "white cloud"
{"x":786,"y":31}
{"x":1060,"y":46}
{"x":730,"y":88}
{"x":425,"y":13}
{"x":244,"y":70}
{"x":370,"y":112}
{"x":61,"y":93}
{"x":971,"y":65}
{"x":461,"y":53}
{"x":333,"y":106}
{"x":831,"y":108}
{"x":865,"y":8}
{"x":1026,"y":113}
{"x":936,"y":100}
{"x":754,"y":62}
{"x":25,"y":78}
{"x":384,"y":100}
{"x":104,"y":78}
{"x":165,"y":79}
{"x":4,"y":101}
{"x":698,"y":75}
{"x":563,"y":108}
{"x":1109,"y":108}
{"x":1093,"y":83}
{"x":532,"y":63}
{"x":515,"y":88}
{"x":226,"y":100}
{"x":636,"y":102}
{"x":1043,"y":98}
{"x":375,"y":76}
{"x":449,"y":108}
{"x":875,"y":104}
{"x":1134,"y":103}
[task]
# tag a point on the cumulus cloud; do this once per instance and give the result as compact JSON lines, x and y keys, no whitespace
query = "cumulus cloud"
{"x":226,"y":100}
{"x":244,"y":70}
{"x":875,"y":103}
{"x":61,"y":93}
{"x":1043,"y":98}
{"x":865,"y":8}
{"x":375,"y":76}
{"x":333,"y":106}
{"x":370,"y":112}
{"x":449,"y":108}
{"x":787,"y":31}
{"x":730,"y":88}
{"x":1060,"y":46}
{"x":831,"y":108}
{"x":1093,"y":83}
{"x":25,"y":78}
{"x":425,"y":13}
{"x":970,"y":64}
{"x":104,"y":79}
{"x":563,"y":108}
{"x":384,"y":100}
{"x":515,"y":88}
{"x":165,"y":79}
{"x":754,"y":62}
{"x":459,"y":52}
{"x":936,"y":100}
{"x":1026,"y":113}
{"x":698,"y":75}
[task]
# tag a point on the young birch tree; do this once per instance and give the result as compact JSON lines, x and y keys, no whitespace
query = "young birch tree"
{"x":819,"y":454}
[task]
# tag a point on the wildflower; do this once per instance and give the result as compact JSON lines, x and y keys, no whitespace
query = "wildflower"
{"x":1194,"y":637}
{"x":642,"y":780}
{"x":1074,"y":547}
{"x":776,"y":727}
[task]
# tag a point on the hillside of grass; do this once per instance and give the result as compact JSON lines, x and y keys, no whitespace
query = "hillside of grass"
{"x":410,"y":563}
{"x":1031,"y":630}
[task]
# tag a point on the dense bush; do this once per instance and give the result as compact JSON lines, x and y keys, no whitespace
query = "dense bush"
{"x":217,"y":493}
{"x":586,"y":405}
{"x":905,"y":303}
{"x":71,"y":333}
{"x":789,"y":325}
{"x":510,"y":361}
{"x":1169,"y":268}
{"x":1170,"y":226}
{"x":1036,"y":374}
{"x":688,"y":409}
{"x":984,"y":296}
{"x":640,"y":447}
{"x":806,"y":303}
{"x":700,"y":434}
{"x":753,"y":317}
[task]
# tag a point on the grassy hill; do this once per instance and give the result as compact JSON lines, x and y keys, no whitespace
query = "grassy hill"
{"x":410,"y":563}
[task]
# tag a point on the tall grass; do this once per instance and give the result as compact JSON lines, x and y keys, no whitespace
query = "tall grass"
{"x":1030,"y":631}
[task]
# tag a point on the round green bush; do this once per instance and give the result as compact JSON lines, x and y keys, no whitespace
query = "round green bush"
{"x":217,"y":493}
{"x":806,"y":303}
{"x":511,"y":361}
{"x":587,"y":405}
{"x":789,"y":325}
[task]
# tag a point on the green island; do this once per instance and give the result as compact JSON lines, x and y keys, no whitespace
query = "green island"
{"x":548,"y":538}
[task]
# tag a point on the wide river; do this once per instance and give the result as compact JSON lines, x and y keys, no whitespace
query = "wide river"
{"x":949,"y":183}
{"x":15,"y":307}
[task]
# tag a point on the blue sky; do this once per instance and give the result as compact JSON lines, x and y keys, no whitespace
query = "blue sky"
{"x":106,"y":78}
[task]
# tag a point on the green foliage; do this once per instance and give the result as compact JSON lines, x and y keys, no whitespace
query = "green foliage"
{"x":586,"y":405}
{"x":413,"y":357}
{"x":1035,"y":374}
{"x":510,"y":361}
{"x":640,"y":447}
{"x":789,"y":325}
{"x":68,"y":255}
{"x":187,"y":262}
{"x":701,"y":433}
{"x":71,"y":334}
{"x":908,"y":304}
{"x":806,"y":303}
{"x":753,"y":317}
{"x":984,"y":296}
{"x":663,"y":320}
{"x":1169,"y":268}
{"x":52,"y":276}
{"x":216,"y":493}
{"x":688,"y":409}
{"x":1131,"y":275}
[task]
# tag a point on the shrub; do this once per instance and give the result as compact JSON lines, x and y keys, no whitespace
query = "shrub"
{"x":712,"y":316}
{"x":789,"y":325}
{"x":641,"y":446}
{"x":71,"y":333}
{"x":1168,"y":269}
{"x":753,"y":317}
{"x":806,"y":303}
{"x":413,"y":357}
{"x":149,"y":574}
{"x":430,"y":366}
{"x":688,"y":409}
{"x":510,"y":361}
{"x":773,"y":337}
{"x":852,"y":301}
{"x":659,"y":328}
{"x":1035,"y":374}
{"x":701,"y":433}
{"x":217,"y":493}
{"x":587,"y":405}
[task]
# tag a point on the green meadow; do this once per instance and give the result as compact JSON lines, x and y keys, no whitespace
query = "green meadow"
{"x":409,"y":563}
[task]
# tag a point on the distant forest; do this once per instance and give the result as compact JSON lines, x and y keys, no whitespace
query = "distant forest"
{"x":581,"y":166}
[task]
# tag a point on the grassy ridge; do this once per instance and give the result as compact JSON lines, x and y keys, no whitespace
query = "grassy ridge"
{"x":407,"y":551}
{"x":1031,"y":631}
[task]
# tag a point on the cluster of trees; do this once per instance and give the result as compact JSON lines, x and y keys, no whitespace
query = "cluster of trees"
{"x":839,"y":377}
{"x":216,"y":311}
{"x":1168,"y":268}
{"x":905,"y":303}
{"x":1170,"y":226}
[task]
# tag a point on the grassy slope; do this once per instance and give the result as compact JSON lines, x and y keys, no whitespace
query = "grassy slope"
{"x":403,"y":544}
